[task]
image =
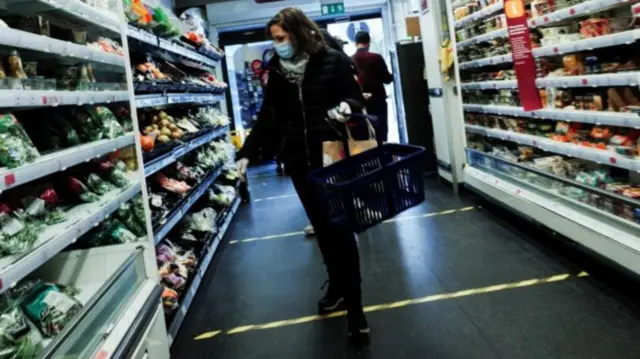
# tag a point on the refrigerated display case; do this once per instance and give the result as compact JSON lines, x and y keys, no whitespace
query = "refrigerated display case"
{"x":572,"y":164}
{"x":86,"y":143}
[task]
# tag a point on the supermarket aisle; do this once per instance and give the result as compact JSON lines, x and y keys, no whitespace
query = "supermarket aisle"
{"x":449,"y":280}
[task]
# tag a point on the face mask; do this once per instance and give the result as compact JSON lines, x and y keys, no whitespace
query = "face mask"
{"x":284,"y":50}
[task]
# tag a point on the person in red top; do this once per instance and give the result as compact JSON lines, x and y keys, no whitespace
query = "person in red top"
{"x":373,"y":74}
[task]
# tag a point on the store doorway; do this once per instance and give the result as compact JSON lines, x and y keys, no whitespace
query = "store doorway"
{"x":347,"y":30}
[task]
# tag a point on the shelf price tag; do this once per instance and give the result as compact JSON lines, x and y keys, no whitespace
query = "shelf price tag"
{"x":51,"y":100}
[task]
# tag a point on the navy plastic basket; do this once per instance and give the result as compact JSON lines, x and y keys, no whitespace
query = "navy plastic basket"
{"x":364,"y":190}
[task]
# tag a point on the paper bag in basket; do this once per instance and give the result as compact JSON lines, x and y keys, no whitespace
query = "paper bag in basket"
{"x":333,"y":151}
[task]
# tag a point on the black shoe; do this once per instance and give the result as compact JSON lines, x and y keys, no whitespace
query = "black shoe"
{"x":332,"y":300}
{"x":358,"y":326}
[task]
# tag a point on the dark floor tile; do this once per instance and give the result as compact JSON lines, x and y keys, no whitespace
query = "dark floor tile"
{"x":435,"y":330}
{"x":561,"y":320}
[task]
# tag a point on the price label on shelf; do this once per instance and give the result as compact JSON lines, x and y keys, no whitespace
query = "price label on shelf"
{"x":50,"y":100}
{"x":9,"y":179}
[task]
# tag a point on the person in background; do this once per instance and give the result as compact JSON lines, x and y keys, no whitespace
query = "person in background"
{"x":373,"y":74}
{"x":310,"y":85}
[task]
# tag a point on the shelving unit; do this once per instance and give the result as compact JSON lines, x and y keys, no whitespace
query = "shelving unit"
{"x":84,"y":146}
{"x":174,"y":99}
{"x":159,"y":100}
{"x":90,"y":231}
{"x":193,"y":289}
{"x":524,"y":160}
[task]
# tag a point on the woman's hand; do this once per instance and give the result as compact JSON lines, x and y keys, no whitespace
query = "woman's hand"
{"x":242,"y":165}
{"x":341,"y":113}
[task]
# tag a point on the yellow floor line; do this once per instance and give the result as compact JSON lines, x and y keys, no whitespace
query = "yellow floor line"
{"x":275,"y":236}
{"x":293,"y":234}
{"x":398,"y":304}
{"x":275,"y":197}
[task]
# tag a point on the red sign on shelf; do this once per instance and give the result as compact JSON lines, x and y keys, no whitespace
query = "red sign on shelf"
{"x":523,"y":61}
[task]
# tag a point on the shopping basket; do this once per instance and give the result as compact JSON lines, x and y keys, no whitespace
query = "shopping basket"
{"x":361,"y":191}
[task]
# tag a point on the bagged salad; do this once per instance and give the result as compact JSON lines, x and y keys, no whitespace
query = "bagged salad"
{"x":50,"y":307}
{"x":17,"y":234}
{"x":17,"y":339}
{"x":111,"y":128}
{"x":16,"y":147}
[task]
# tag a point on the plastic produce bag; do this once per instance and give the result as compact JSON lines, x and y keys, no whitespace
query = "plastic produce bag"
{"x":126,"y":214}
{"x":16,"y":234}
{"x":111,"y":128}
{"x":17,"y":339}
{"x":49,"y":308}
{"x":16,"y":147}
{"x":82,"y":191}
{"x":98,"y":185}
{"x":203,"y":221}
{"x":87,"y":127}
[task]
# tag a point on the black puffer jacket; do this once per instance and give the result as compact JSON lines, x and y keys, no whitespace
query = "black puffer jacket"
{"x":294,"y":120}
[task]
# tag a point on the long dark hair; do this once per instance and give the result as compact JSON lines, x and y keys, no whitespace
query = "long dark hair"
{"x":305,"y":34}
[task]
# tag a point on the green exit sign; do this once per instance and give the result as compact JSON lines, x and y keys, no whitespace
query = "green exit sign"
{"x":333,"y":9}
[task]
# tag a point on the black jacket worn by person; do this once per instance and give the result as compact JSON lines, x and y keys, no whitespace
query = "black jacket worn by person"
{"x":293,"y":120}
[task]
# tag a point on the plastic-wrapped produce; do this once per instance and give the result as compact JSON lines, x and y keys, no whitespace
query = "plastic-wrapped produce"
{"x":82,"y":191}
{"x":17,"y":339}
{"x":126,"y":214}
{"x":98,"y":185}
{"x":49,"y":308}
{"x":15,"y":146}
{"x":138,"y":209}
{"x":87,"y":127}
{"x":116,"y":173}
{"x":203,"y":221}
{"x":111,"y":128}
{"x":16,"y":234}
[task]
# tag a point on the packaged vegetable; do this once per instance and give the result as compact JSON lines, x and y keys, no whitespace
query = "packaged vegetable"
{"x":203,"y":221}
{"x":17,"y":339}
{"x":98,"y":185}
{"x":82,"y":191}
{"x":126,"y":215}
{"x":49,"y":308}
{"x":17,"y":235}
{"x":15,"y":146}
{"x":111,"y":128}
{"x":87,"y":127}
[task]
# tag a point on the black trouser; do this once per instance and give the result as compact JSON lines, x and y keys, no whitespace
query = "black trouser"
{"x":337,"y":245}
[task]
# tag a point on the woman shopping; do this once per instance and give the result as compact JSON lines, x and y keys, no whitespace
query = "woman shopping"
{"x":311,"y":90}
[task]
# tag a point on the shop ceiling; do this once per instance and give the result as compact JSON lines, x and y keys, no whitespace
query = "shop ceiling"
{"x":228,"y":13}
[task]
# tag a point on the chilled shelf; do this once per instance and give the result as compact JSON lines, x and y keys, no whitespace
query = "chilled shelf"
{"x":183,"y":207}
{"x":61,"y":160}
{"x":170,"y":48}
{"x":620,"y":119}
{"x":56,"y":238}
{"x":621,"y":38}
{"x":599,"y":80}
{"x":631,"y":78}
{"x":567,"y":149}
{"x":481,"y":14}
{"x":74,"y":9}
{"x":202,"y":270}
{"x":487,"y":61}
{"x":143,"y":101}
{"x":499,"y":33}
{"x":583,"y":9}
{"x":26,"y":40}
{"x":561,"y":217}
{"x":567,"y":181}
{"x":42,"y":98}
{"x":490,"y":85}
{"x":181,"y":150}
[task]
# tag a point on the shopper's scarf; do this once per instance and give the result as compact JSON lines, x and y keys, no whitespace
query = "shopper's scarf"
{"x":294,"y":69}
